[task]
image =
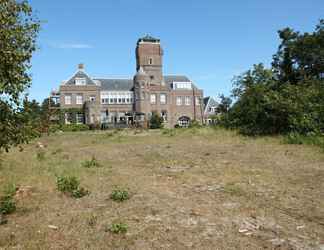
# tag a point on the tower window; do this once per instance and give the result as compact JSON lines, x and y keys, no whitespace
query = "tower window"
{"x":151,"y":77}
{"x":150,"y":61}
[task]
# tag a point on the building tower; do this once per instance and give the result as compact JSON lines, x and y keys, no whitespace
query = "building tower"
{"x":149,"y":56}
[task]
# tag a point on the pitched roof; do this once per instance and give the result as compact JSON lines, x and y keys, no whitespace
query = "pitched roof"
{"x":80,"y":74}
{"x":206,"y":99}
{"x":115,"y":84}
{"x":168,"y":79}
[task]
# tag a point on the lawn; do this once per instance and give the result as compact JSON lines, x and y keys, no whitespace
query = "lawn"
{"x":165,"y":189}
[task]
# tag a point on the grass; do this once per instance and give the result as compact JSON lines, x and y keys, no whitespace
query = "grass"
{"x":196,"y":188}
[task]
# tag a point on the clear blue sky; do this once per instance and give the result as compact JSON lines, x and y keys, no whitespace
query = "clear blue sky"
{"x":208,"y":40}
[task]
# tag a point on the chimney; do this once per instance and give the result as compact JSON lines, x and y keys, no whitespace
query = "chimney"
{"x":81,"y":66}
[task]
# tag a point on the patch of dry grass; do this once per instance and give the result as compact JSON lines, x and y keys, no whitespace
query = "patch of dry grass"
{"x":193,"y":188}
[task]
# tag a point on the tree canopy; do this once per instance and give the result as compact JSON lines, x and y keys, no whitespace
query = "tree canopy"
{"x":288,"y":97}
{"x":19,"y":29}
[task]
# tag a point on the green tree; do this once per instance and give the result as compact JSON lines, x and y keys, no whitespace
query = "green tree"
{"x":18,"y":34}
{"x":156,"y":121}
{"x":224,"y":105}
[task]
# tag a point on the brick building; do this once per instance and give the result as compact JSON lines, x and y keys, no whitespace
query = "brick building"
{"x":128,"y":101}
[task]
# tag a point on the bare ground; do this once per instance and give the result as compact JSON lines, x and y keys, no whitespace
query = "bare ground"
{"x":195,"y":189}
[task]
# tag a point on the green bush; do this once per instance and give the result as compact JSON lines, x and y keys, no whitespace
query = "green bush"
{"x":119,"y":195}
{"x":91,"y":163}
{"x":195,"y":124}
{"x":71,"y":186}
{"x":74,"y":127}
{"x":118,"y":228}
{"x":7,"y":205}
{"x":156,"y":121}
{"x":309,"y":139}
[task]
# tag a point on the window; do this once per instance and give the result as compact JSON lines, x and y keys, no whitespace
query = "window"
{"x":151,"y":77}
{"x":164,"y":115}
{"x":153,"y":98}
{"x":179,"y":100}
{"x":187,"y":100}
{"x":79,"y":118}
{"x":80,"y":81}
{"x":79,"y":99}
{"x":150,"y":61}
{"x":67,"y":99}
{"x":182,"y":85}
{"x":92,"y":98}
{"x":163,"y":98}
{"x":197,"y":101}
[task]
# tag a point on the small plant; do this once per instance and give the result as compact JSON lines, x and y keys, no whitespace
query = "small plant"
{"x":71,"y":185}
{"x":92,"y":220}
{"x":169,"y":132}
{"x":119,"y":195}
{"x":7,"y":205}
{"x":118,"y":228}
{"x":40,"y":155}
{"x":7,"y":202}
{"x":91,"y":163}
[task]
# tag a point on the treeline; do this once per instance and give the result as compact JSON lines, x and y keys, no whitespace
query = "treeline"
{"x":289,"y":96}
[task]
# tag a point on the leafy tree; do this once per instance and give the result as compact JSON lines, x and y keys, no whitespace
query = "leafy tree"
{"x":156,"y":121}
{"x":224,"y":104}
{"x":289,"y":97}
{"x":19,"y":29}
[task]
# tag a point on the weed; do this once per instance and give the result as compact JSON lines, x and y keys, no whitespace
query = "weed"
{"x":40,"y":155}
{"x":118,"y":228}
{"x":70,"y":185}
{"x":119,"y":195}
{"x":92,"y":220}
{"x":7,"y":202}
{"x":233,"y":189}
{"x":168,"y":132}
{"x":91,"y":163}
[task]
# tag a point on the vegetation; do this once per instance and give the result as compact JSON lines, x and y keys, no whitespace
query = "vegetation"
{"x":156,"y":121}
{"x":119,"y":195}
{"x":7,"y":202}
{"x":18,"y":34}
{"x":288,"y":97}
{"x":70,"y":185}
{"x":93,"y":163}
{"x":118,"y":228}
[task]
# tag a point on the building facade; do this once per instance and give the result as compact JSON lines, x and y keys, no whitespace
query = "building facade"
{"x":108,"y":101}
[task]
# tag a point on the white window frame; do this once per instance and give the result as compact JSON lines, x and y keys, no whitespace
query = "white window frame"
{"x":80,"y":81}
{"x":79,"y":99}
{"x":153,"y":98}
{"x":163,"y":98}
{"x":179,"y":100}
{"x":187,"y":100}
{"x":68,"y":99}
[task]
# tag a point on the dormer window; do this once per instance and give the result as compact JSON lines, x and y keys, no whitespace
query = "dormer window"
{"x":80,"y":81}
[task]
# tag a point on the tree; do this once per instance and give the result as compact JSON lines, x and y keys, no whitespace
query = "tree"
{"x":19,"y":29}
{"x":156,"y":121}
{"x":224,"y":105}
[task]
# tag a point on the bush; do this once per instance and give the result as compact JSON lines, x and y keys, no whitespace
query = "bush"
{"x":91,"y":163}
{"x":195,"y":124}
{"x":119,"y":195}
{"x":74,"y":127}
{"x":156,"y":121}
{"x":71,"y":186}
{"x":168,"y":132}
{"x":118,"y":228}
{"x":310,"y":139}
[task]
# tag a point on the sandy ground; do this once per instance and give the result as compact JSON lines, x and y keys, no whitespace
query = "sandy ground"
{"x":189,"y":189}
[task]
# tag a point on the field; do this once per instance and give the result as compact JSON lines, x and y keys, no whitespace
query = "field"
{"x":188,"y":189}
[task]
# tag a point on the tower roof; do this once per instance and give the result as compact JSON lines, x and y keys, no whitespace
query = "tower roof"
{"x":148,"y":38}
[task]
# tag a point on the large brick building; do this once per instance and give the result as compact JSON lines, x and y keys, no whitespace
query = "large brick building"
{"x":129,"y":101}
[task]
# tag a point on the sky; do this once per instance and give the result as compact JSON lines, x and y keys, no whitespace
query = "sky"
{"x":210,"y":41}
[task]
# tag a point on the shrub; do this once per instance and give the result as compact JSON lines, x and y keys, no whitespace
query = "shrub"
{"x":118,"y":228}
{"x":70,"y":185}
{"x":74,"y":127}
{"x":156,"y":121}
{"x":119,"y":195}
{"x":195,"y":124}
{"x":91,"y":163}
{"x":7,"y":205}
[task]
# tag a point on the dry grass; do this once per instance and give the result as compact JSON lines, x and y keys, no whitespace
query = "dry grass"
{"x":198,"y":189}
